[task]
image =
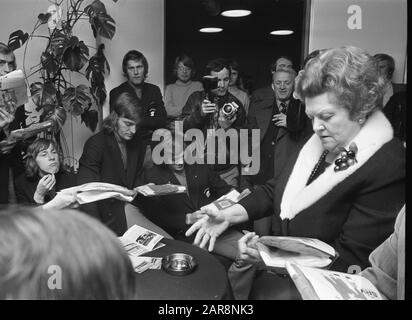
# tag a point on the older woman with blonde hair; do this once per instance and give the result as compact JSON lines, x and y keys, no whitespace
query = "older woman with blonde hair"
{"x":347,"y":183}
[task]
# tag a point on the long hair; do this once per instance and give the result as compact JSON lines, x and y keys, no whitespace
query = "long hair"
{"x":61,"y":254}
{"x":187,"y":62}
{"x":127,"y":106}
{"x":38,"y":145}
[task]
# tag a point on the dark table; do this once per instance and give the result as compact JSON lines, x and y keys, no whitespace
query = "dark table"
{"x":207,"y":282}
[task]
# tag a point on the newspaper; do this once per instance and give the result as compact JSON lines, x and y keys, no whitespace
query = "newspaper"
{"x":13,"y":88}
{"x":277,"y":251}
{"x":95,"y":191}
{"x":319,"y":284}
{"x":150,"y":190}
{"x":137,"y":241}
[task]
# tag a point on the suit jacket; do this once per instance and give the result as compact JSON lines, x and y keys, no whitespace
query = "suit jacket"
{"x":353,"y":210}
{"x":26,"y":187}
{"x":289,"y":140}
{"x":169,"y":211}
{"x":154,"y":112}
{"x":101,"y":161}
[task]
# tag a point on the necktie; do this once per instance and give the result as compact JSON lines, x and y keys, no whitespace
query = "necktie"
{"x":282,"y":108}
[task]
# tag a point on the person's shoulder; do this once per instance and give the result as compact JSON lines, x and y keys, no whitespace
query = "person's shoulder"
{"x":150,"y":87}
{"x":97,"y":137}
{"x":155,"y":173}
{"x":197,"y":85}
{"x":120,"y":88}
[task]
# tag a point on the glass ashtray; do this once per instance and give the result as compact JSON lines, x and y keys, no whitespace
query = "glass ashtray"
{"x":179,"y":264}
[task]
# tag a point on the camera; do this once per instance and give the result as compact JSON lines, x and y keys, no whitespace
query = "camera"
{"x":229,"y":110}
{"x":209,"y":83}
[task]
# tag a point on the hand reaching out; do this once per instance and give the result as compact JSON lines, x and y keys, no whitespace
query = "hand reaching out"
{"x":209,"y":228}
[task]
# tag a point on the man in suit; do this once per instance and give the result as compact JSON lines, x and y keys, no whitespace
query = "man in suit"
{"x":10,"y":153}
{"x":386,"y":65}
{"x":135,"y":68}
{"x":284,"y":128}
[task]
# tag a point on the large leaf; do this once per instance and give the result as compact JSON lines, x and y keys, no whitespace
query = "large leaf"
{"x":49,"y":63}
{"x":59,"y":43}
{"x":102,"y":24}
{"x":76,"y":54}
{"x":95,"y":73}
{"x":44,"y":17}
{"x":77,"y":99}
{"x":44,"y":96}
{"x":17,"y":39}
{"x":90,"y":119}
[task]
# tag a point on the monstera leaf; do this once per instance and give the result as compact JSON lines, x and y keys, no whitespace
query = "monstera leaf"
{"x":76,"y":54}
{"x":59,"y":42}
{"x":90,"y":119}
{"x":77,"y":99}
{"x":102,"y":24}
{"x":44,"y":17}
{"x":49,"y":63}
{"x":17,"y":39}
{"x":44,"y":96}
{"x":95,"y":74}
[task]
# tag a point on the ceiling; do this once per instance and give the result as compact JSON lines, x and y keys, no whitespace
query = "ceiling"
{"x":246,"y":39}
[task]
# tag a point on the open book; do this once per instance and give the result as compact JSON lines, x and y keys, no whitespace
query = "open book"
{"x":13,"y":88}
{"x":277,"y":251}
{"x":319,"y":284}
{"x":150,"y":190}
{"x":95,"y":191}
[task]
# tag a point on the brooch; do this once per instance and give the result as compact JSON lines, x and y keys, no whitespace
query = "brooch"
{"x":346,"y":158}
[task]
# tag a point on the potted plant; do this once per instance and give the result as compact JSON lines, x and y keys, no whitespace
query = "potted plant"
{"x":53,"y":94}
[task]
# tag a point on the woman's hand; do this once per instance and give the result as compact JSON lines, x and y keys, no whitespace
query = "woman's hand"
{"x":45,"y":185}
{"x":211,"y":226}
{"x":248,"y":252}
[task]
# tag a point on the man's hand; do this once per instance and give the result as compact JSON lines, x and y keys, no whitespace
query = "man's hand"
{"x":7,"y":145}
{"x":209,"y":228}
{"x":207,"y":107}
{"x":279,"y":120}
{"x":224,"y":122}
{"x":5,"y":118}
{"x":247,"y":250}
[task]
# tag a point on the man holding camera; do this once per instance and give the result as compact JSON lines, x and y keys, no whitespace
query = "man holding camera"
{"x":216,"y":108}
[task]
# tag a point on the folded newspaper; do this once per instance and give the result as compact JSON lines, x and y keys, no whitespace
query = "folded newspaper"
{"x":150,"y":190}
{"x":13,"y":88}
{"x":138,"y":240}
{"x":95,"y":191}
{"x":277,"y":251}
{"x":319,"y":284}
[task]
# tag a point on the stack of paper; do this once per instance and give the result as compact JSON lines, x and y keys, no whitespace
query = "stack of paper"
{"x":137,"y":241}
{"x":150,"y":190}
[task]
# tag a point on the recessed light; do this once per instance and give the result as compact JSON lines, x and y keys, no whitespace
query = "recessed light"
{"x":210,"y":30}
{"x":282,"y":32}
{"x":236,"y":13}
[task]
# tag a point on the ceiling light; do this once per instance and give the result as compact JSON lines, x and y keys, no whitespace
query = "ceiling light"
{"x":236,"y":13}
{"x":282,"y":32}
{"x":210,"y":30}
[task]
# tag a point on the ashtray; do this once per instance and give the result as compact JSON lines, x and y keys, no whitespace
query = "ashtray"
{"x":179,"y":264}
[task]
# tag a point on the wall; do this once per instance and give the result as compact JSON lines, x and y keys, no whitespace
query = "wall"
{"x":133,"y":20}
{"x":382,"y":27}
